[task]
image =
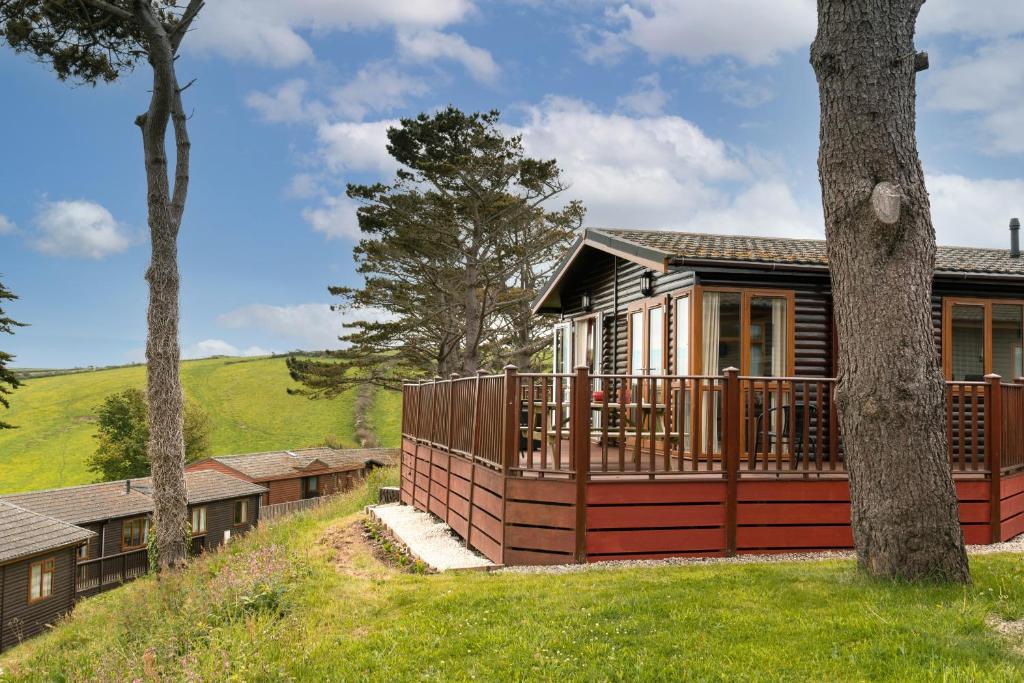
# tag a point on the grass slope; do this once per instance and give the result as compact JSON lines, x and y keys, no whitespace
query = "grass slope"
{"x":246,"y":399}
{"x":283,"y":604}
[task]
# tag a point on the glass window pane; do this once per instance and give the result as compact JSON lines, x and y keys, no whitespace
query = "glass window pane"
{"x":682,"y":331}
{"x":721,"y":322}
{"x":636,"y":342}
{"x":1007,"y":323}
{"x":968,"y":352}
{"x":37,"y":571}
{"x":768,"y":336}
{"x":656,"y":357}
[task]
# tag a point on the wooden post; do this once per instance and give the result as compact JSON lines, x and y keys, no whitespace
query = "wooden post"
{"x":731,"y":448}
{"x":580,"y":429}
{"x":994,"y":451}
{"x":451,"y":412}
{"x":510,"y":444}
{"x":473,"y":448}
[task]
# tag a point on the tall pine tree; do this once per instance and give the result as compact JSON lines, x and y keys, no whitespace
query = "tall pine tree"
{"x":452,"y":252}
{"x":8,"y":380}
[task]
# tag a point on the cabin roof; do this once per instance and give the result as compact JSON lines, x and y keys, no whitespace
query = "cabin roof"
{"x":114,"y":499}
{"x":289,"y":464}
{"x":24,"y":533}
{"x":658,"y":249}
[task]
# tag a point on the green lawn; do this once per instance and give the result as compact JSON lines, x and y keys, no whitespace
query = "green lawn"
{"x":283,"y":604}
{"x":246,"y":399}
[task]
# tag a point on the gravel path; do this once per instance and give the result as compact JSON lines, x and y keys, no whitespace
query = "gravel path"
{"x":429,"y":539}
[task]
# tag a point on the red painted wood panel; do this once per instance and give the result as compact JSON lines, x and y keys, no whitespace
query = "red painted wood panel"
{"x":437,"y":507}
{"x":540,"y":490}
{"x":459,"y":505}
{"x":532,"y":538}
{"x":652,"y":556}
{"x":460,"y":487}
{"x":540,"y":514}
{"x":488,"y":478}
{"x":422,"y":480}
{"x":1012,"y":527}
{"x":612,"y":493}
{"x":439,"y":458}
{"x":972,"y":490}
{"x":487,"y":524}
{"x":791,"y":491}
{"x":514,"y":557}
{"x":1012,"y":506}
{"x":438,"y":474}
{"x":458,"y":523}
{"x":655,"y":541}
{"x":460,"y":467}
{"x":977,"y":534}
{"x":794,"y":537}
{"x":422,"y":498}
{"x":488,"y":501}
{"x":793,"y":513}
{"x":486,"y":545}
{"x":975,"y":513}
{"x":655,"y":516}
{"x":1011,"y":485}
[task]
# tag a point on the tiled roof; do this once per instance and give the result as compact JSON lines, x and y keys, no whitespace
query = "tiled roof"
{"x":24,"y":533}
{"x":798,"y":251}
{"x":287,"y":464}
{"x":109,"y":500}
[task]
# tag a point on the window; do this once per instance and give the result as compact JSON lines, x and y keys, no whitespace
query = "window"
{"x":134,"y":533}
{"x":40,"y":580}
{"x":241,"y":512}
{"x":746,"y":329}
{"x":982,"y":337}
{"x":588,"y":343}
{"x":310,"y":488}
{"x":199,"y":521}
{"x":83,"y":552}
{"x":648,"y":338}
{"x":562,"y":355}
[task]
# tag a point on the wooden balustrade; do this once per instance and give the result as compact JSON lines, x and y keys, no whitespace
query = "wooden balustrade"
{"x":96,"y":573}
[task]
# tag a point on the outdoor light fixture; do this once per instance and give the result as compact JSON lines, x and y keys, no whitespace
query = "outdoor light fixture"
{"x":586,"y":302}
{"x":646,"y":283}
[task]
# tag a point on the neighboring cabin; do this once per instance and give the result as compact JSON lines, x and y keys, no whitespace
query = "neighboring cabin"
{"x":298,"y":475}
{"x":37,"y":569}
{"x":82,"y":540}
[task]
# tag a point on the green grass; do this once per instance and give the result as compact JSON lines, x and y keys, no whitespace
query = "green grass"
{"x":246,"y":399}
{"x":277,"y":606}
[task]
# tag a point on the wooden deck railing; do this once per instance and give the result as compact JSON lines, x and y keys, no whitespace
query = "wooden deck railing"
{"x":100,"y":572}
{"x":552,"y":425}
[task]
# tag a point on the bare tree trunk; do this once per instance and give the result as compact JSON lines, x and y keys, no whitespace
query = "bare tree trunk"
{"x":471,"y":348}
{"x":166,"y":448}
{"x":881,"y":250}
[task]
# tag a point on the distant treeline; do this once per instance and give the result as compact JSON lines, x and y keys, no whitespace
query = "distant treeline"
{"x":35,"y":373}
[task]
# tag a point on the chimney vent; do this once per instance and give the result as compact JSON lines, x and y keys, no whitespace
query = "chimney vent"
{"x":127,"y":486}
{"x":1014,"y":238}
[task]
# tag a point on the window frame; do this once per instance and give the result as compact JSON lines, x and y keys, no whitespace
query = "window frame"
{"x":51,"y":563}
{"x":192,"y":519}
{"x":240,"y":520}
{"x":304,"y":483}
{"x":131,"y":521}
{"x":644,"y":307}
{"x":82,"y":552}
{"x":948,"y":302}
{"x":746,"y":295}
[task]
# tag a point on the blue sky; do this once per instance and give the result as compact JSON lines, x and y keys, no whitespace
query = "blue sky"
{"x":684,"y":114}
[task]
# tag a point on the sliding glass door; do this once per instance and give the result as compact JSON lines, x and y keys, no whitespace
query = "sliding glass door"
{"x":747,"y":330}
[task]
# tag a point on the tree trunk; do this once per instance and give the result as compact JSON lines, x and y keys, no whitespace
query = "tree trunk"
{"x":881,"y":250}
{"x":471,"y":348}
{"x":166,"y":448}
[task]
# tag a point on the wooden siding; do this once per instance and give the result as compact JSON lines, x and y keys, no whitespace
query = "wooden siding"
{"x":1012,"y":506}
{"x":18,"y":618}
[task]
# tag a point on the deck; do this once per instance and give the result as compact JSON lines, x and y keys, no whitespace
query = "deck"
{"x":541,"y":469}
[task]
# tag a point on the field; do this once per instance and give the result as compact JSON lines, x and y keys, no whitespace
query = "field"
{"x":246,"y":399}
{"x":304,"y":599}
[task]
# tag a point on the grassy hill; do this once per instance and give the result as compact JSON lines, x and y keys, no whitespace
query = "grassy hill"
{"x":246,"y":399}
{"x":304,"y":599}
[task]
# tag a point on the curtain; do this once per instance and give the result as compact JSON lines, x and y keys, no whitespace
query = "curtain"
{"x":778,"y":337}
{"x":712,"y":320}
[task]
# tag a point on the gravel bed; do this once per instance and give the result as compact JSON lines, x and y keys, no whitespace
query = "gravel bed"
{"x":428,"y":538}
{"x":1015,"y":545}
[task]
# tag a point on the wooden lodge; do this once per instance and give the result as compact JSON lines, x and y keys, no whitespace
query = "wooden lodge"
{"x":689,"y":409}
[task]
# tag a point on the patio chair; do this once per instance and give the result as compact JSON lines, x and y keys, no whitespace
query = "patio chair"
{"x":789,"y":412}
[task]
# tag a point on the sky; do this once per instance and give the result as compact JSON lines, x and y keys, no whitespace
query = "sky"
{"x":672,"y":114}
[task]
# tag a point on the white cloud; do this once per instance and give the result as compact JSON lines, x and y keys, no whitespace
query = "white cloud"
{"x":428,"y":45}
{"x":754,"y":31}
{"x":268,"y":31}
{"x":78,"y":228}
{"x":645,"y":171}
{"x":738,"y":89}
{"x":974,"y":211}
{"x":989,"y":19}
{"x":219,"y":347}
{"x":7,"y":226}
{"x":335,"y":217}
{"x":311,"y":326}
{"x":376,"y":87}
{"x":356,"y":146}
{"x":648,"y":98}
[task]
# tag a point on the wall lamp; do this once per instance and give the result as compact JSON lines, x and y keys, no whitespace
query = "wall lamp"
{"x":647,"y":283}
